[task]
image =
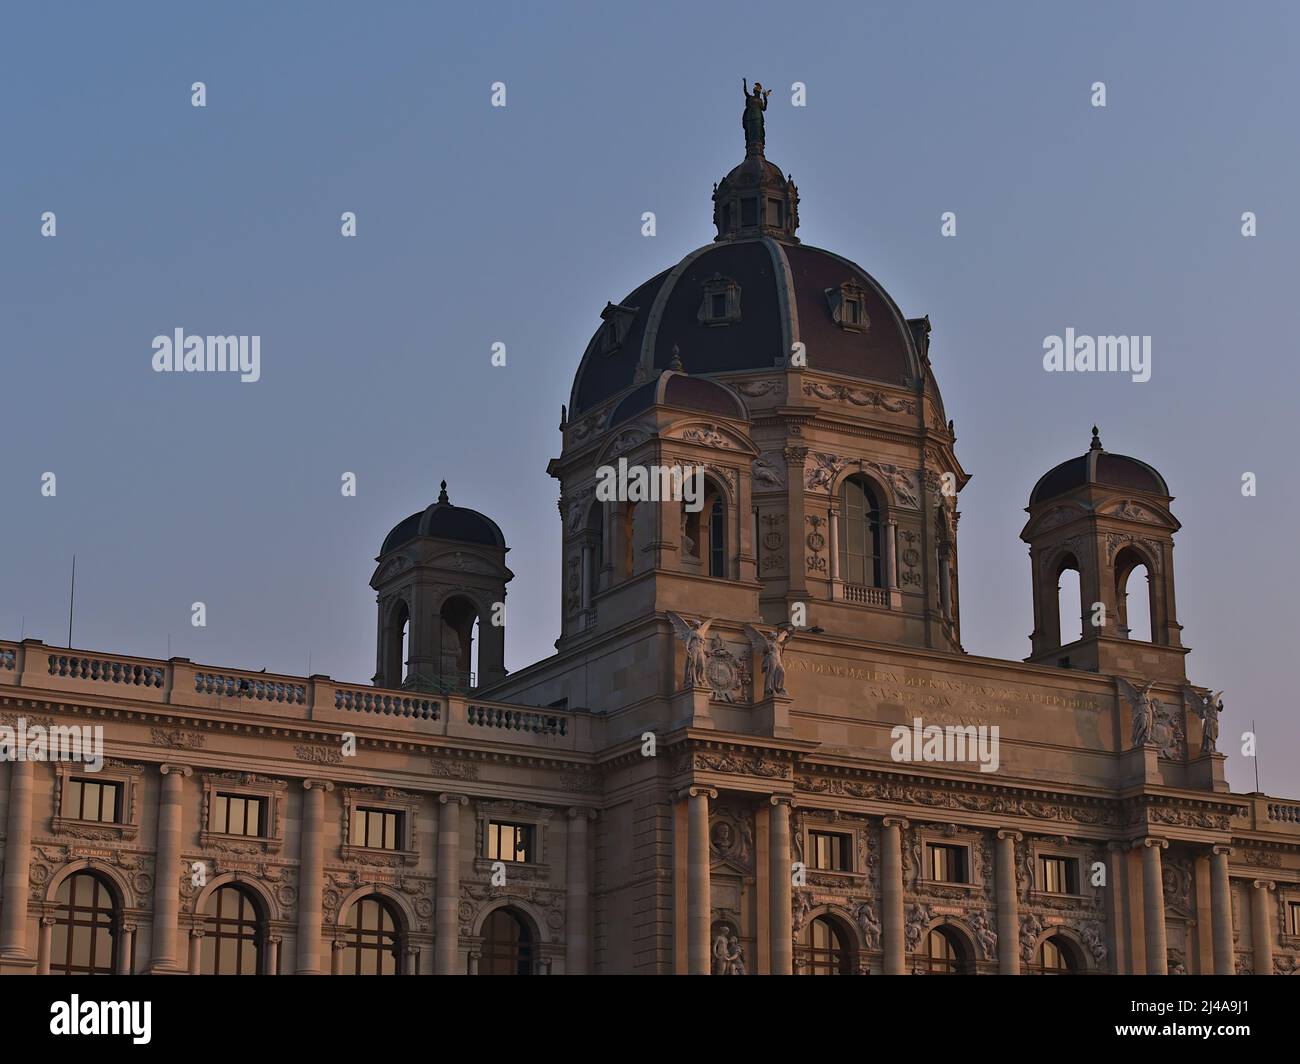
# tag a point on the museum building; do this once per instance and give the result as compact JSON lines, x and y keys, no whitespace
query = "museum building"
{"x":702,"y":778}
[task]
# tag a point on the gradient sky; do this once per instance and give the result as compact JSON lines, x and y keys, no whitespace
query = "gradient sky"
{"x":518,"y":224}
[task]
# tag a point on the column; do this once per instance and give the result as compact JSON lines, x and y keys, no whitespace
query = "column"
{"x":586,"y":576}
{"x":945,"y":583}
{"x":835,"y":544}
{"x":125,"y":947}
{"x":1221,"y":905}
{"x":1008,"y":903}
{"x":18,"y":854}
{"x":273,"y":954}
{"x":196,"y":950}
{"x":577,"y":894}
{"x":166,"y":892}
{"x":1261,"y":926}
{"x":412,"y":957}
{"x":311,"y":853}
{"x":1117,"y":862}
{"x":699,"y":909}
{"x":779,"y":882}
{"x":336,"y":960}
{"x":447,"y":922}
{"x":1153,"y":907}
{"x":473,"y":961}
{"x":43,"y":946}
{"x":891,"y":889}
{"x":891,"y":555}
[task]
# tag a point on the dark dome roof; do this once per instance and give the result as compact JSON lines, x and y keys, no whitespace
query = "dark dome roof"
{"x":786,"y":294}
{"x":442,"y":520}
{"x":1098,"y":467}
{"x":677,"y":389}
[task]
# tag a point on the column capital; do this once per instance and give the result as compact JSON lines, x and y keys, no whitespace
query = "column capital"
{"x":322,"y":785}
{"x":338,"y":944}
{"x":412,"y":951}
{"x":1151,"y":841}
{"x":894,"y":822}
{"x":1223,"y":849}
{"x":458,"y":799}
{"x":196,"y":932}
{"x":783,"y":799}
{"x":48,"y":921}
{"x":698,"y":792}
{"x":578,"y":812}
{"x":168,"y":768}
{"x":276,"y":939}
{"x":1264,"y":884}
{"x":128,"y":927}
{"x":1011,"y":833}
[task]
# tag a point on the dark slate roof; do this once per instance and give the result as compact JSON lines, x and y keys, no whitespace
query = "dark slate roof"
{"x":679,"y":390}
{"x":442,"y":520}
{"x":1098,"y":466}
{"x":667,"y":317}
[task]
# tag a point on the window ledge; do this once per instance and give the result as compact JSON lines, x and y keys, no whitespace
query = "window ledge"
{"x":375,"y":856}
{"x":221,"y":840}
{"x":94,"y":829}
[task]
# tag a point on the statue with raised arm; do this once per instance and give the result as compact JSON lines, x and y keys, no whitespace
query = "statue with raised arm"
{"x":771,"y":645}
{"x":752,"y":120}
{"x":1208,"y":708}
{"x":1144,"y":711}
{"x":695,"y":638}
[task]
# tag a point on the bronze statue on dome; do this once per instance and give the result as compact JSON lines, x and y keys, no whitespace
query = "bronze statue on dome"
{"x":752,"y":120}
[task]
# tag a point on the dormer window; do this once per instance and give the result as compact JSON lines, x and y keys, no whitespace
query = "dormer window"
{"x":749,"y":212}
{"x":618,"y":319}
{"x":721,"y":301}
{"x":775,"y":213}
{"x":848,"y":305}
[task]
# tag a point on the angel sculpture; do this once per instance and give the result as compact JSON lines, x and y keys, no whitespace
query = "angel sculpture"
{"x":1208,"y":709}
{"x":695,"y":638}
{"x":1144,"y":711}
{"x":771,"y":647}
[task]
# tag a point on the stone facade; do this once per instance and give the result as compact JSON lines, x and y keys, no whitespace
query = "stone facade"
{"x":706,"y":777}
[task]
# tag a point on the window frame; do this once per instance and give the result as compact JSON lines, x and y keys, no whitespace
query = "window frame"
{"x":520,"y":814}
{"x":970,"y":841}
{"x":129,"y":779}
{"x":270,"y":791}
{"x":386,"y":800}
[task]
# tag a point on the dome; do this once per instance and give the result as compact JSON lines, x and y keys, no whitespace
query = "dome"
{"x":1099,"y":467}
{"x":442,"y":520}
{"x":674,"y":388}
{"x":777,"y":293}
{"x":739,"y":304}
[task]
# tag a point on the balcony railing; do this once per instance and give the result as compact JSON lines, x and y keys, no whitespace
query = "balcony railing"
{"x":864,"y":595}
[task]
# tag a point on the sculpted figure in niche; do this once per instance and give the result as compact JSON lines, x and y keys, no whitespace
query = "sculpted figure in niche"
{"x":695,"y":638}
{"x":1144,"y":711}
{"x":771,"y":646}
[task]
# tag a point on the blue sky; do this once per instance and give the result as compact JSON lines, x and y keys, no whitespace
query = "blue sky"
{"x":516,"y":225}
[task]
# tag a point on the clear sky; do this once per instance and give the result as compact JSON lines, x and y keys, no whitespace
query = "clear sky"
{"x":517,"y":224}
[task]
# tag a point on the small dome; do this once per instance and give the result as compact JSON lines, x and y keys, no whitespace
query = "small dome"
{"x":442,"y":520}
{"x":674,"y":388}
{"x":1098,"y":466}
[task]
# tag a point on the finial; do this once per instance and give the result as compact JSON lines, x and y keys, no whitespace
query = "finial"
{"x":442,"y":495}
{"x":676,"y":363}
{"x":1096,"y":440}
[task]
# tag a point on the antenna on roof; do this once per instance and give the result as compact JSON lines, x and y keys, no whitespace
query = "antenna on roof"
{"x":72,"y":598}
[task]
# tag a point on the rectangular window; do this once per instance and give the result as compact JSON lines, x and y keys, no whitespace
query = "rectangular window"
{"x":719,"y":306}
{"x":775,"y":212}
{"x":830,"y":853}
{"x":749,"y":211}
{"x":238,"y":814}
{"x":1057,"y":875}
{"x":509,"y":842}
{"x":92,"y":800}
{"x":377,"y":829}
{"x":853,"y":312}
{"x":948,"y":864}
{"x":1293,"y":925}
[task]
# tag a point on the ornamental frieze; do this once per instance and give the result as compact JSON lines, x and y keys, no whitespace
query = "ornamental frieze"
{"x":858,"y":397}
{"x":733,"y":765}
{"x":177,"y":738}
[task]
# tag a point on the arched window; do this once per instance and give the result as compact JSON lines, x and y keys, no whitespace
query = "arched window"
{"x":629,"y":538}
{"x":596,"y":538}
{"x":397,"y":651}
{"x":458,"y":649}
{"x":374,"y":940}
{"x":716,"y":510}
{"x":232,"y":934}
{"x":859,"y":546}
{"x":828,"y":951}
{"x":945,"y":953}
{"x":83,"y":940}
{"x":1133,"y":594}
{"x":1069,"y":600}
{"x":1055,"y":956}
{"x":507,"y":945}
